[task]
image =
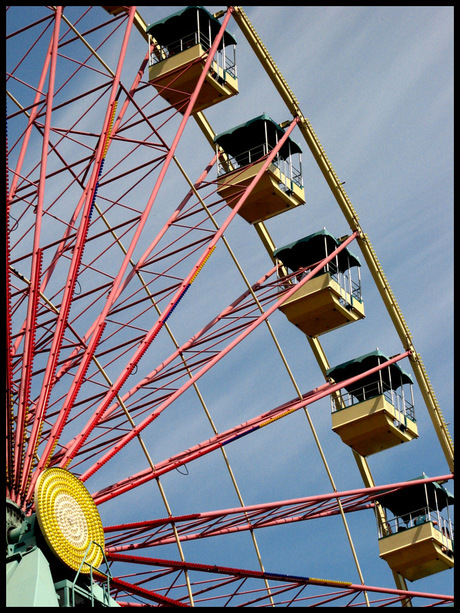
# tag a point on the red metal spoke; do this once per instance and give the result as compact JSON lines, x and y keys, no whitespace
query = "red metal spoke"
{"x":23,"y":462}
{"x":23,"y":471}
{"x":228,"y":436}
{"x":283,"y":583}
{"x":156,"y":532}
{"x":160,"y":322}
{"x":72,"y":276}
{"x":93,"y":343}
{"x":136,"y":590}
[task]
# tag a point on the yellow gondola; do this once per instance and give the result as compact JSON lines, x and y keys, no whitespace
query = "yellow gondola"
{"x":376,"y":412}
{"x":246,"y":147}
{"x":332,"y":298}
{"x":418,"y":540}
{"x":179,"y":47}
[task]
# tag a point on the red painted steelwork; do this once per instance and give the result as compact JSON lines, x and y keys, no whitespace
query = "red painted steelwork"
{"x":70,"y":287}
{"x":150,"y":533}
{"x":154,"y":330}
{"x":224,"y":438}
{"x":146,"y":253}
{"x":70,"y":453}
{"x":137,"y":590}
{"x":29,"y":334}
{"x":289,"y":581}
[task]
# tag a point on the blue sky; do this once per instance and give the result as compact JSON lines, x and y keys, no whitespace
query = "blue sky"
{"x":376,"y":84}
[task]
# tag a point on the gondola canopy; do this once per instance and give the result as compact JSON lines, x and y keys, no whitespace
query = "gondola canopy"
{"x":313,"y":248}
{"x":252,"y":134}
{"x":393,"y":376}
{"x":185,"y":22}
{"x":417,"y":497}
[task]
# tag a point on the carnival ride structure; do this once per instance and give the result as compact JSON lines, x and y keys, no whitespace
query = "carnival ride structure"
{"x":136,"y":339}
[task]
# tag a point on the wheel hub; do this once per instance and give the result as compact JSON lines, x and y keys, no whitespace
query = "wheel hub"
{"x":69,"y":519}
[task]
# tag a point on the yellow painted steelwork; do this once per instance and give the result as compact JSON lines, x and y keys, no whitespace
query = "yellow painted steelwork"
{"x":372,"y":426}
{"x":417,"y":552}
{"x":139,"y":23}
{"x":352,"y":218}
{"x":175,"y":79}
{"x":269,"y":197}
{"x":318,"y":306}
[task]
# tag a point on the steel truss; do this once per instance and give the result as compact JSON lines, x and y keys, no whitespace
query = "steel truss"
{"x":81,"y":410}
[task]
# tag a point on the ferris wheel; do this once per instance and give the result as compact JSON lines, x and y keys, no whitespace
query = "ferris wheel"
{"x":162,"y":441}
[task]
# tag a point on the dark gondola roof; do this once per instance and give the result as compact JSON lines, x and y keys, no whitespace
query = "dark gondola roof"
{"x":184,"y":22}
{"x":253,"y":133}
{"x":311,"y":249}
{"x":393,"y":376}
{"x":414,"y":498}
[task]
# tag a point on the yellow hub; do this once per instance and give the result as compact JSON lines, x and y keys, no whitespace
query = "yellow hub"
{"x":69,"y":519}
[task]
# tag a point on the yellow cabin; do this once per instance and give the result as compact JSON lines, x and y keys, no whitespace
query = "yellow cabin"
{"x":246,"y":147}
{"x":329,"y":300}
{"x":376,"y":412}
{"x":115,"y":10}
{"x":418,"y":540}
{"x":179,"y":46}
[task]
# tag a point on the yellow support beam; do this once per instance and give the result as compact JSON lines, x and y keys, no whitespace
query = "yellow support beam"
{"x":352,"y":218}
{"x":139,"y":23}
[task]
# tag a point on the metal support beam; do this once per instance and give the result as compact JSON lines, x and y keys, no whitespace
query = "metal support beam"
{"x":352,"y":218}
{"x":375,"y":268}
